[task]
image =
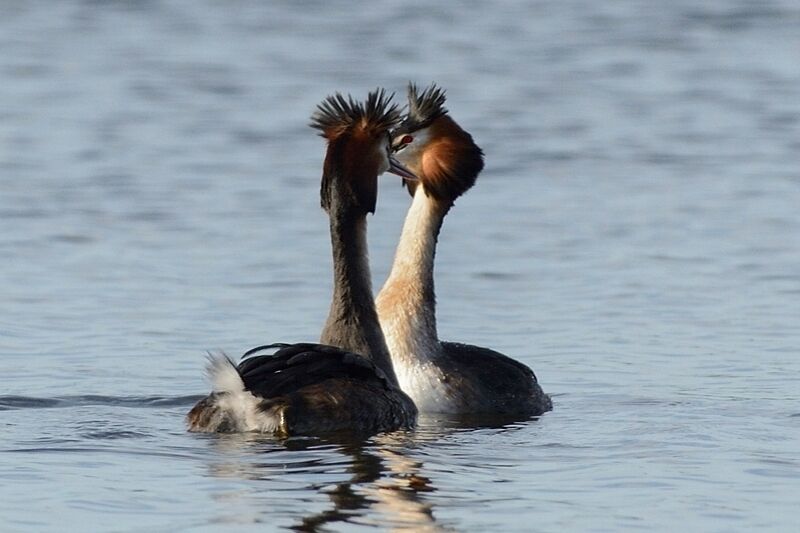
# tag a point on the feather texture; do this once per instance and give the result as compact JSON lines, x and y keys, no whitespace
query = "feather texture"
{"x":336,"y":114}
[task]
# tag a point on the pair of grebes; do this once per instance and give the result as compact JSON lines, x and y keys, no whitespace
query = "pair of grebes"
{"x":379,"y":362}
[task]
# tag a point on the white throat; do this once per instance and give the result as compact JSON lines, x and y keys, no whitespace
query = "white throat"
{"x":407,"y":306}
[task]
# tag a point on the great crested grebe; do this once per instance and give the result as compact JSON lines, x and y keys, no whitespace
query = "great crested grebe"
{"x":441,"y":377}
{"x":346,"y":383}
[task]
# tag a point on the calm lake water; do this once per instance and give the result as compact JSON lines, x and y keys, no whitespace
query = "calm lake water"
{"x":634,"y":238}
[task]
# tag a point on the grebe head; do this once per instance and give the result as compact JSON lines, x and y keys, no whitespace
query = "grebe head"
{"x":435,"y":148}
{"x":359,"y":149}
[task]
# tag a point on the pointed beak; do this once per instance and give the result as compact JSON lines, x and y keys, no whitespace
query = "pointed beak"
{"x":396,"y":168}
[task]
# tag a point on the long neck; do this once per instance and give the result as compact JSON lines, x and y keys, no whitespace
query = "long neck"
{"x":352,"y":323}
{"x":407,"y":301}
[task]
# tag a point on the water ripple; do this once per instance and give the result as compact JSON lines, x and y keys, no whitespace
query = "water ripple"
{"x":25,"y":402}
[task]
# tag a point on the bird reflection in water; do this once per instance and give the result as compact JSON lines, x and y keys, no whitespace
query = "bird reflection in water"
{"x":385,"y":487}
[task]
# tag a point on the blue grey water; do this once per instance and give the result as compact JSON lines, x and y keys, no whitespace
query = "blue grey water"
{"x":634,"y":238}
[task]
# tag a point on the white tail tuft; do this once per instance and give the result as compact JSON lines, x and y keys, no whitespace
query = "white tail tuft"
{"x":231,"y":407}
{"x":223,"y":374}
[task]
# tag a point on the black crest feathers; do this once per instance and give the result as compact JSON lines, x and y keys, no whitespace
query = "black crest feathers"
{"x":423,"y":108}
{"x":337,"y":114}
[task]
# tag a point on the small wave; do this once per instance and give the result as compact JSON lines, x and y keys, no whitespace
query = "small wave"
{"x":113,"y":435}
{"x":26,"y":402}
{"x":22,"y":402}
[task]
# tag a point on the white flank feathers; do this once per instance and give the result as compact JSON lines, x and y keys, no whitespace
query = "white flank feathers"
{"x":239,"y":405}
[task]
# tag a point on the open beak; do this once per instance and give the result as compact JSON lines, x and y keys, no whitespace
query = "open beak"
{"x":396,"y":168}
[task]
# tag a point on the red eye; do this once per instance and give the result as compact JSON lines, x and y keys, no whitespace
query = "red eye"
{"x":406,"y":139}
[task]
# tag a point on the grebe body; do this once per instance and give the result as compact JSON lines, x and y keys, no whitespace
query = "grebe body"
{"x":441,"y":376}
{"x":347,"y":382}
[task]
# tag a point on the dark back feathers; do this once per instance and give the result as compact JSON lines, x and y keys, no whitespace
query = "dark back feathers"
{"x":295,"y":366}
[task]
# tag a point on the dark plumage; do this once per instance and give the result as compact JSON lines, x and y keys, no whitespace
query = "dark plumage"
{"x":351,"y":129}
{"x":423,"y":108}
{"x":335,"y":114}
{"x":315,"y":389}
{"x":490,"y":382}
{"x":295,"y":366}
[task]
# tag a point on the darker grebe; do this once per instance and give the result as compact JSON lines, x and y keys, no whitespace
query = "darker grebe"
{"x":347,"y":383}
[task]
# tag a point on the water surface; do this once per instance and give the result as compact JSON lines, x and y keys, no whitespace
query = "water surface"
{"x":634,"y":238}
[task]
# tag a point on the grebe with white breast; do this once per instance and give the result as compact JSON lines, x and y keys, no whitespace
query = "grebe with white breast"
{"x":442,"y":377}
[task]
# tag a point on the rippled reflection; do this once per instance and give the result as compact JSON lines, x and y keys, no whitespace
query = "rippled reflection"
{"x":380,"y":482}
{"x":371,"y":482}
